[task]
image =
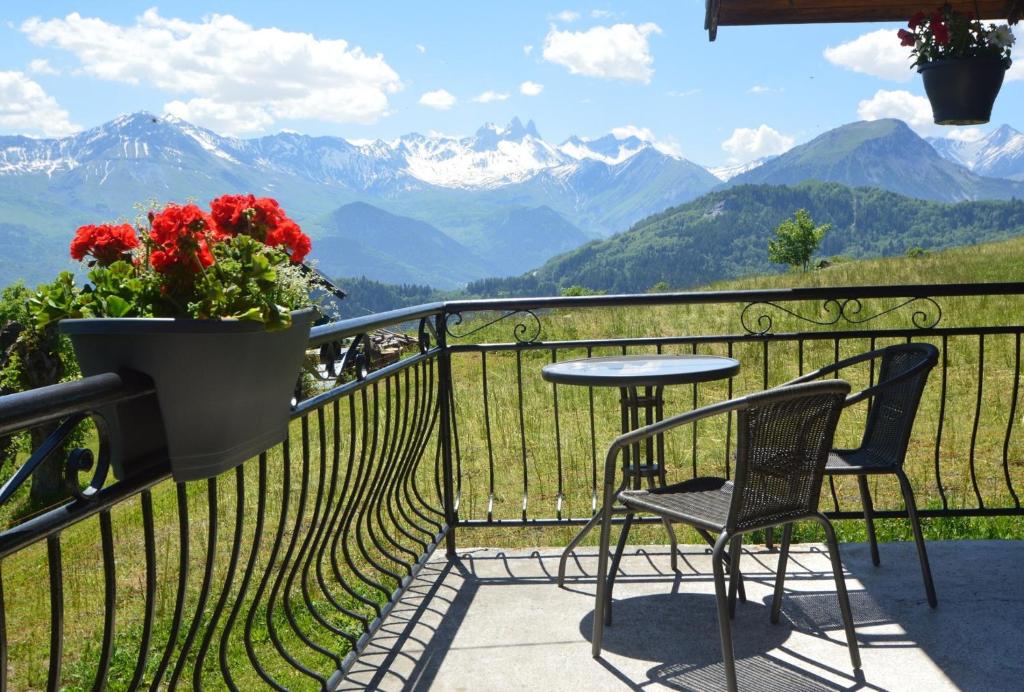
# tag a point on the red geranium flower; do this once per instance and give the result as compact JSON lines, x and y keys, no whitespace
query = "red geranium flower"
{"x":917,"y":20}
{"x":106,"y":243}
{"x":290,"y":236}
{"x":179,"y":232}
{"x":246,"y":214}
{"x":906,"y":37}
{"x":939,"y":30}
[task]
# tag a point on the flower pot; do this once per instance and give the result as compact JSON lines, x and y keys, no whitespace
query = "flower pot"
{"x":962,"y":90}
{"x":223,"y":388}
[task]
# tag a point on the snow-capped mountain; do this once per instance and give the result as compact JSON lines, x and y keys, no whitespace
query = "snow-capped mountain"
{"x":505,"y":180}
{"x":493,"y":157}
{"x":1000,"y":154}
{"x":724,"y":173}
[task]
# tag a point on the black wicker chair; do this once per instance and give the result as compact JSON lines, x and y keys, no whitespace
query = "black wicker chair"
{"x":783,"y":437}
{"x":902,"y":373}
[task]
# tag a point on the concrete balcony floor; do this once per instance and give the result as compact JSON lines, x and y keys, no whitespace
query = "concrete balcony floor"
{"x":496,"y":620}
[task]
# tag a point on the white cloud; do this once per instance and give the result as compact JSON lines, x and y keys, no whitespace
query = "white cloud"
{"x":441,"y":99}
{"x":877,"y":53}
{"x":527,"y":49}
{"x":238,"y":77}
{"x":42,"y":66}
{"x":761,"y":89}
{"x":530,"y":88}
{"x":965,"y":134}
{"x":686,"y":92}
{"x":565,"y":16}
{"x":491,"y":96}
{"x":26,"y":109}
{"x":421,"y":48}
{"x":746,"y":144}
{"x":913,"y":110}
{"x":602,"y":14}
{"x":620,"y":51}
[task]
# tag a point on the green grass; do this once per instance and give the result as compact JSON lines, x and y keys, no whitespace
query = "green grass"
{"x":986,"y":263}
{"x":25,"y":575}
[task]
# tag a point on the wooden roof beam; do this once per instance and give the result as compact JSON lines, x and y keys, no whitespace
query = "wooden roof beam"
{"x":757,"y":12}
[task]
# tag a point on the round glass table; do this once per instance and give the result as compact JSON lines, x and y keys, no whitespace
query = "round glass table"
{"x":641,"y":380}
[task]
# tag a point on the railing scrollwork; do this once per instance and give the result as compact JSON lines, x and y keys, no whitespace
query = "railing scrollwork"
{"x":526,"y":330}
{"x":756,"y":318}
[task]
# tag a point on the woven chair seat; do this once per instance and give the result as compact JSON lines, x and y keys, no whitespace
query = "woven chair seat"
{"x":857,"y":461}
{"x":703,"y":502}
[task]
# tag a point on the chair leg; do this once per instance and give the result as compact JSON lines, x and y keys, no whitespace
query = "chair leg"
{"x":915,"y":523}
{"x":780,"y":572}
{"x":844,"y":598}
{"x":724,"y":628}
{"x":869,"y":517}
{"x":602,"y":583}
{"x":673,"y":543}
{"x":739,"y":575}
{"x":614,"y":569}
{"x":769,"y":538}
{"x":594,"y":521}
{"x":735,"y":551}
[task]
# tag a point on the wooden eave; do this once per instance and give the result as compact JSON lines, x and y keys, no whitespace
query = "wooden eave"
{"x":753,"y":12}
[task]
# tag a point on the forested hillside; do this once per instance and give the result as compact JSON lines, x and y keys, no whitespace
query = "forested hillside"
{"x":725,"y":235}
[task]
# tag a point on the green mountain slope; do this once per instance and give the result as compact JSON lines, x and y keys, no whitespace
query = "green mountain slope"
{"x":359,"y":239}
{"x":882,"y":153}
{"x":725,"y":234}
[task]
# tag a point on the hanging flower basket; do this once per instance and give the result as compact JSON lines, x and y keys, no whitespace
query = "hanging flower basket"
{"x":214,"y":307}
{"x":962,"y":91}
{"x":962,"y":63}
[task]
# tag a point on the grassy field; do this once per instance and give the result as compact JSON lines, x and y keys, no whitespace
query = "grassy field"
{"x":552,"y":456}
{"x":570,"y":446}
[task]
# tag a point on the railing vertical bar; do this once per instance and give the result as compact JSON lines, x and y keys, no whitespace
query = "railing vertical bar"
{"x":490,"y":441}
{"x":109,"y":600}
{"x":559,"y":498}
{"x":53,"y":558}
{"x":942,"y":419}
{"x":1010,"y":419}
{"x":179,"y":599}
{"x":693,"y":428}
{"x":399,"y":461}
{"x":445,"y":435}
{"x":977,"y":418}
{"x":427,"y":418}
{"x":593,"y":445}
{"x":243,"y":588}
{"x":728,"y":419}
{"x":4,"y":652}
{"x":204,"y":589}
{"x":149,"y":538}
{"x":229,"y":577}
{"x":522,"y":431}
{"x":831,"y":478}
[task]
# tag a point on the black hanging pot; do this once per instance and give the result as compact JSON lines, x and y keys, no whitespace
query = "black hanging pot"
{"x":223,"y":388}
{"x":962,"y":90}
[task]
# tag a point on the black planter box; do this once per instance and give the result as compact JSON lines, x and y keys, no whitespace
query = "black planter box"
{"x":223,"y":388}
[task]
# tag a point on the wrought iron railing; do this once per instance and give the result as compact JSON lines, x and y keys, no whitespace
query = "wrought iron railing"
{"x":278,"y":572}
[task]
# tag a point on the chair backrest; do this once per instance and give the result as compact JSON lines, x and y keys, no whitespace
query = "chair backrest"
{"x":783,"y":439}
{"x":902,"y":374}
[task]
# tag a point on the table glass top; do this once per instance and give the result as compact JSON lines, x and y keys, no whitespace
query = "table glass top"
{"x":650,"y":369}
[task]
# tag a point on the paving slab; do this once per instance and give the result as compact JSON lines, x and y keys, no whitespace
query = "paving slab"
{"x":496,"y":620}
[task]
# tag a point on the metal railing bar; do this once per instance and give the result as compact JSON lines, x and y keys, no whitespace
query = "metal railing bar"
{"x":109,"y":601}
{"x":977,"y":420}
{"x":179,"y":598}
{"x":149,"y":539}
{"x":360,"y":325}
{"x":53,"y":560}
{"x":1009,"y":422}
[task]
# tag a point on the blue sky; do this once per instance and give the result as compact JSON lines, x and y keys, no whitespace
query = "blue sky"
{"x":379,"y":70}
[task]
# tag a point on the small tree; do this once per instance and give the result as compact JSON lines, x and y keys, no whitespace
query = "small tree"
{"x":796,"y":240}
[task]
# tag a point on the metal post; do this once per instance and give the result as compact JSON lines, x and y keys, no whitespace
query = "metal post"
{"x":444,"y":392}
